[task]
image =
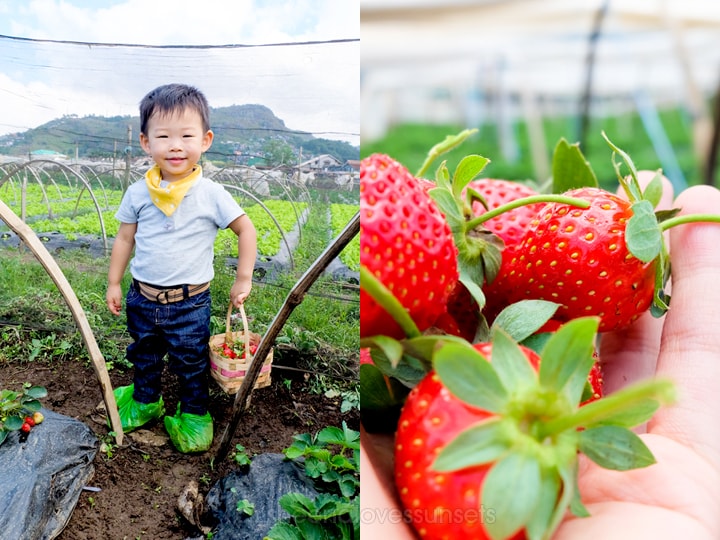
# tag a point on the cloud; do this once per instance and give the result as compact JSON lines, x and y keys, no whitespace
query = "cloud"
{"x":312,"y":87}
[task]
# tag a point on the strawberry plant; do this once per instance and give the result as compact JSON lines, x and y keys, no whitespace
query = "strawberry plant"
{"x":331,"y":460}
{"x":20,"y":410}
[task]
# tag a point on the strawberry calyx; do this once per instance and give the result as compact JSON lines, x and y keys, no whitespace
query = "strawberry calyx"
{"x":538,"y":426}
{"x":479,"y":249}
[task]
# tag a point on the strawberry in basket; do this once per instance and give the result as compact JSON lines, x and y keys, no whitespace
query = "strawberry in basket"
{"x":235,"y":349}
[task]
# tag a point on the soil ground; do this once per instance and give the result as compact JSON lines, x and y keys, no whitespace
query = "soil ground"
{"x":139,"y":483}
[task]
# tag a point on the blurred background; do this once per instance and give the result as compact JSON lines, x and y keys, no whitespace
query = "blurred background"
{"x":527,"y":72}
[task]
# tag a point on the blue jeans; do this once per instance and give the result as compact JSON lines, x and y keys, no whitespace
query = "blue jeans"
{"x":181,"y":331}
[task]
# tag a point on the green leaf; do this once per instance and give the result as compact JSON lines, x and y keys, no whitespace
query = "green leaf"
{"x":567,"y":357}
{"x":512,"y":488}
{"x":524,"y":318}
{"x":13,"y":423}
{"x":643,"y":235}
{"x":36,"y":392}
{"x":615,"y":447}
{"x":510,"y":362}
{"x":653,"y":191}
{"x":468,"y":168}
{"x":283,"y":530}
{"x":470,"y":377}
{"x":570,"y":169}
{"x":479,"y":444}
{"x":331,"y":435}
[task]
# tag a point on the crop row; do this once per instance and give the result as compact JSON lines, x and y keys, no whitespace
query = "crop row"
{"x":73,"y":219}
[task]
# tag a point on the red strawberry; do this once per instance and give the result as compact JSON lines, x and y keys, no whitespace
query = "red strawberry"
{"x":432,"y":417}
{"x":406,"y":244}
{"x":579,"y":258}
{"x":595,"y":378}
{"x":365,"y":357}
{"x":510,"y":225}
{"x":476,"y":436}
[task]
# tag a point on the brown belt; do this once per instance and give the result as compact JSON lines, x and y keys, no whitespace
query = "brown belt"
{"x":168,"y":296}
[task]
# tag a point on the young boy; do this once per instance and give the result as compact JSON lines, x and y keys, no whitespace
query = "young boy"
{"x":171,"y":219}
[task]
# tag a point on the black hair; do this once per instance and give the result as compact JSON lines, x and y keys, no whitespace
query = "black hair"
{"x":171,"y":98}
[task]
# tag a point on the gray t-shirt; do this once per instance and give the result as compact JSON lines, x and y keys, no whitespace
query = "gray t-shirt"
{"x":177,"y":250}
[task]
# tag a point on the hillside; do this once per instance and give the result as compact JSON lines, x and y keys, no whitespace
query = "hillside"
{"x":245,"y":128}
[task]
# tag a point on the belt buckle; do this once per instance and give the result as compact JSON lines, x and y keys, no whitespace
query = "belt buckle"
{"x":163,"y":296}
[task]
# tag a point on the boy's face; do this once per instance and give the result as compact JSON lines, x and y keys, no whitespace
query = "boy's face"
{"x":176,"y":141}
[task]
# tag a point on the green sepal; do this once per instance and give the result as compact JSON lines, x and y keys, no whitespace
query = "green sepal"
{"x":448,"y":143}
{"x":576,"y":505}
{"x":539,"y":522}
{"x":408,"y":370}
{"x":510,"y":363}
{"x":479,"y":444}
{"x":570,"y":169}
{"x":424,"y":347}
{"x":381,"y":400}
{"x":378,"y":392}
{"x":654,"y":190}
{"x":512,"y":488}
{"x":391,"y":348}
{"x":568,"y":357}
{"x":468,"y":168}
{"x":522,"y":319}
{"x":642,"y":234}
{"x":448,"y":206}
{"x":473,"y":288}
{"x":638,"y":414}
{"x":632,"y":186}
{"x":664,"y":215}
{"x":615,"y":447}
{"x":470,"y":377}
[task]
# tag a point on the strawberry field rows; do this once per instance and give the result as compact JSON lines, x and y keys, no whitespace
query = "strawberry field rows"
{"x":71,"y":212}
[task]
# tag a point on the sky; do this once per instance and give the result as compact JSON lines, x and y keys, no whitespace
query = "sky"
{"x":300,"y":58}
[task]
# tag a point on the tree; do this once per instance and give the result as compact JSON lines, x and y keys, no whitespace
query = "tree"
{"x":278,"y":152}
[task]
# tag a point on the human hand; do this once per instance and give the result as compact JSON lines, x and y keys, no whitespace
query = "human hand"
{"x":678,"y":495}
{"x":239,"y":292}
{"x":113,"y":297}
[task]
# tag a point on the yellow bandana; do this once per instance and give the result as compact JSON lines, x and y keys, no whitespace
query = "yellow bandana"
{"x":169,"y":197}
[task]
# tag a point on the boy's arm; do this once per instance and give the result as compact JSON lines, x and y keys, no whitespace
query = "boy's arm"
{"x":119,"y":258}
{"x":247,"y":253}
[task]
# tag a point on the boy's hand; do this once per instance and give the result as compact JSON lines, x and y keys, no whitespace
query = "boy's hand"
{"x":240,"y":291}
{"x":114,"y":299}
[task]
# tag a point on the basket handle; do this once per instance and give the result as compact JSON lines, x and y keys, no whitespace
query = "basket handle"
{"x":228,"y":329}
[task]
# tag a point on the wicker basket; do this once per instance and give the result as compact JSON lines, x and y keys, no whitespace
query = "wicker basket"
{"x":229,"y":373}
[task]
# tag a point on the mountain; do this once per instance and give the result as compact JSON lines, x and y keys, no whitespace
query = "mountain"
{"x":244,"y":129}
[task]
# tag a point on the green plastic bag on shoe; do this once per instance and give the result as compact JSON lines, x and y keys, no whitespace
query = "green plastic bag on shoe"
{"x":190,"y":432}
{"x":134,"y":414}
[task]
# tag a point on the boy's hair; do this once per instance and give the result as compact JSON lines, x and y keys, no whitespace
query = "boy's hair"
{"x":173,"y":98}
